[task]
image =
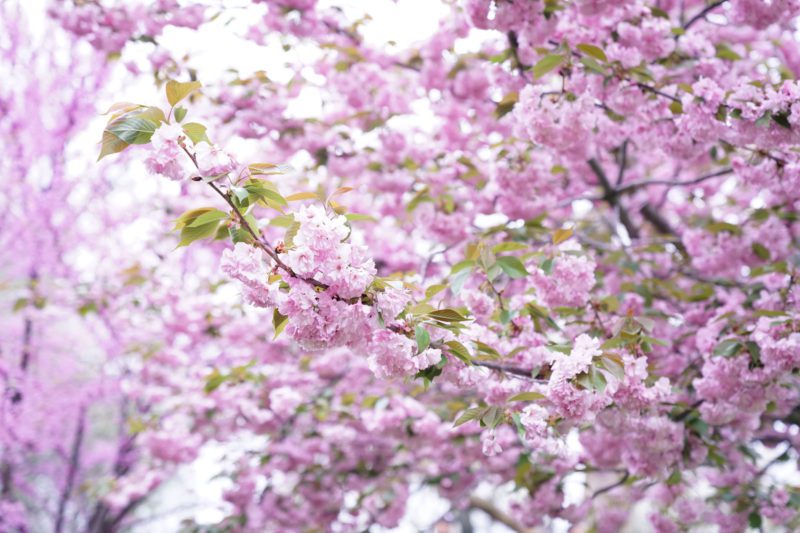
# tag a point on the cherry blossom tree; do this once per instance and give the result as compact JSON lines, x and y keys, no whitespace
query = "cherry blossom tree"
{"x":542,"y":265}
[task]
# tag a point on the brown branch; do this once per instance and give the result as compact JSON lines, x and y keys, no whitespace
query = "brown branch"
{"x":623,"y":162}
{"x":497,"y":515}
{"x":703,"y":13}
{"x":612,"y":486}
{"x":516,"y":371}
{"x":671,"y":183}
{"x":612,"y":197}
{"x":254,"y":232}
{"x":654,"y":217}
{"x":648,"y":88}
{"x":72,"y":470}
{"x":513,"y":44}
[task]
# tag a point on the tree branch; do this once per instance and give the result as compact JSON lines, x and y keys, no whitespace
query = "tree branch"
{"x":72,"y":470}
{"x":703,"y":13}
{"x":611,"y":196}
{"x":613,"y":486}
{"x":516,"y":371}
{"x":671,"y":183}
{"x":497,"y":515}
{"x":254,"y":232}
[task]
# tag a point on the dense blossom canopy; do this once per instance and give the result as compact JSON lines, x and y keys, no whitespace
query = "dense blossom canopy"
{"x":541,"y":265}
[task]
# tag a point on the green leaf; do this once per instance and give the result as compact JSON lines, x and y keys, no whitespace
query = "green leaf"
{"x":215,"y":215}
{"x":512,"y":266}
{"x":492,"y":417}
{"x":177,"y":91}
{"x":111,"y":144}
{"x":547,"y":63}
{"x":719,"y":227}
{"x":458,"y":280}
{"x":298,"y":196}
{"x":674,"y":478}
{"x":180,"y":113}
{"x":279,"y":322}
{"x":560,"y":235}
{"x":547,"y":266}
{"x":213,"y":381}
{"x":593,"y":65}
{"x":196,"y":132}
{"x":725,"y":52}
{"x":761,"y":251}
{"x":265,"y":192}
{"x":594,"y":51}
{"x":190,"y":216}
{"x":613,"y":364}
{"x":20,"y":303}
{"x":460,"y":351}
{"x":472,"y":413}
{"x":728,"y":348}
{"x":597,"y":379}
{"x":447,"y":315}
{"x":288,"y":238}
{"x":526,"y":397}
{"x":133,"y":130}
{"x":782,"y":120}
{"x":423,"y":338}
{"x":191,"y":234}
{"x":676,"y":107}
{"x":506,"y":105}
{"x":433,"y":290}
{"x":355,"y":217}
{"x":508,"y":247}
{"x":486,"y":349}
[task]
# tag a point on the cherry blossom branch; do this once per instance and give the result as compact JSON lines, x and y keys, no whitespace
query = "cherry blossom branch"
{"x":497,"y":515}
{"x":672,"y":183}
{"x":611,"y":196}
{"x":703,"y":13}
{"x":256,"y":234}
{"x":72,"y":469}
{"x":613,"y":486}
{"x":516,"y":371}
{"x":653,"y":90}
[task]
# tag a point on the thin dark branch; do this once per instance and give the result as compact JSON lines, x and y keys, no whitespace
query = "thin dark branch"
{"x":516,"y":371}
{"x":654,"y":217}
{"x":72,"y":470}
{"x":672,"y":183}
{"x":613,"y":486}
{"x":513,"y":43}
{"x":255,"y":233}
{"x":496,"y":514}
{"x":703,"y":13}
{"x":680,"y":416}
{"x":623,"y":162}
{"x":611,"y":196}
{"x":648,"y":88}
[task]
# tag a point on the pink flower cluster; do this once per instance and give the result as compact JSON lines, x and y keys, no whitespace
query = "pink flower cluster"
{"x":569,"y":283}
{"x":166,"y":155}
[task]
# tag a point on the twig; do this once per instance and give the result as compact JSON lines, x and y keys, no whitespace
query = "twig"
{"x":654,"y":217}
{"x":255,"y":233}
{"x":623,"y":162}
{"x":509,"y":370}
{"x":613,"y":486}
{"x":611,"y":196}
{"x":653,"y":90}
{"x":497,"y":515}
{"x":703,"y":13}
{"x":672,"y":183}
{"x":688,"y":411}
{"x":72,"y":470}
